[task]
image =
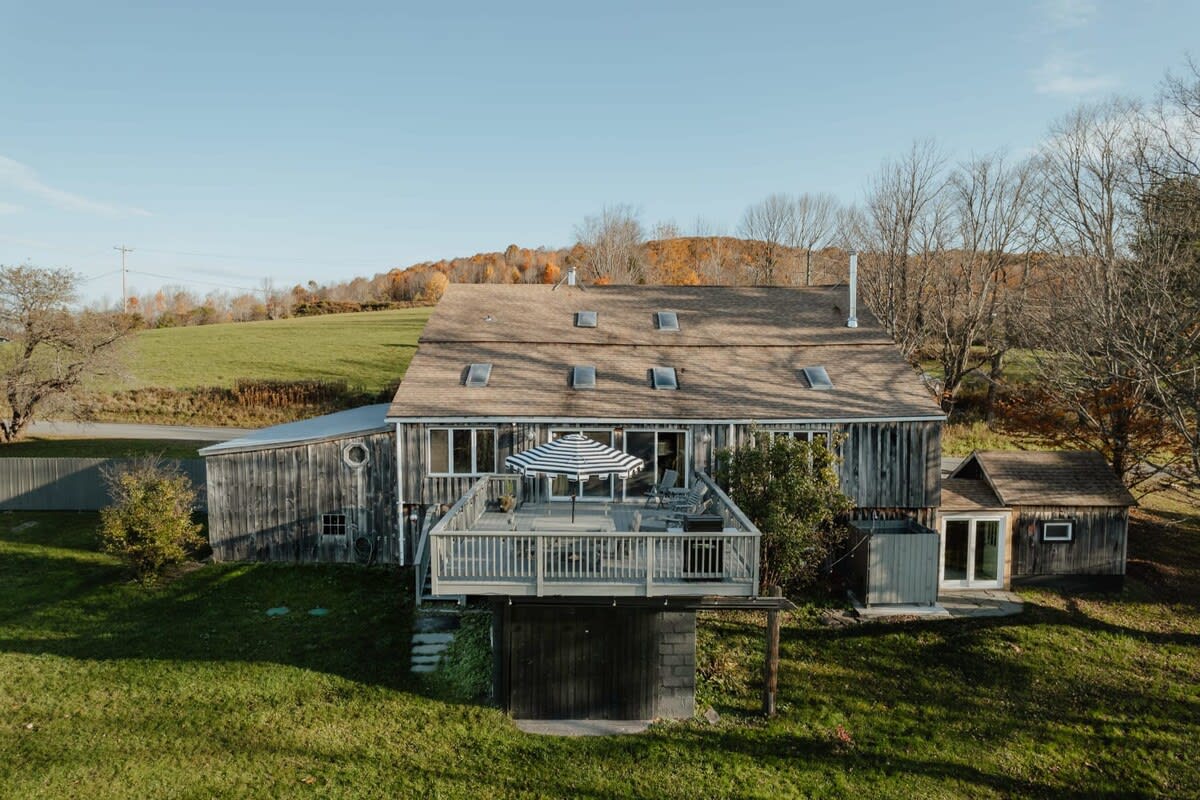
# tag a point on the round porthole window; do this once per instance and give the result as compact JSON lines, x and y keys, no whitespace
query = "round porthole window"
{"x":356,"y":455}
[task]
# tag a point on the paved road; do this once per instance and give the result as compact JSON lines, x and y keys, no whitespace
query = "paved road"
{"x":121,"y":430}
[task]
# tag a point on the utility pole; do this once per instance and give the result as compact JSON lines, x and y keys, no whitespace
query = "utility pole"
{"x":124,"y":294}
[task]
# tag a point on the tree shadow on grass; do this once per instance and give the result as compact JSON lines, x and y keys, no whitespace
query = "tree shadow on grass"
{"x":87,"y":608}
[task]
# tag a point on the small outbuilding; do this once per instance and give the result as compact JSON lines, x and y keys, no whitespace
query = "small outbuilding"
{"x":323,"y":489}
{"x":1019,"y":517}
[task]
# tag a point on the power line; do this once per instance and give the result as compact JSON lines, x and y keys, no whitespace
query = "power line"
{"x":281,"y":259}
{"x":177,"y":279}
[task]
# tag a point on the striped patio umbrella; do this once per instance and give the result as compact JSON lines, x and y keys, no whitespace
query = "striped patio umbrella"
{"x":577,"y":458}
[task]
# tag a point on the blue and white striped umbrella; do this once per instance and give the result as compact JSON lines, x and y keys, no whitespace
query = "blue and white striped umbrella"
{"x":576,"y":457}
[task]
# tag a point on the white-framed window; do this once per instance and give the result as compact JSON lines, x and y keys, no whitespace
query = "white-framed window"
{"x":1058,"y":530}
{"x":462,"y":451}
{"x":333,"y":525}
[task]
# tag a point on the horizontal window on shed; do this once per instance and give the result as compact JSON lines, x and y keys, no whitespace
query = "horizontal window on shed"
{"x":1058,"y":531}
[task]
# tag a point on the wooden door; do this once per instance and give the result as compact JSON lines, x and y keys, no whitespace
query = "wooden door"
{"x":568,"y":662}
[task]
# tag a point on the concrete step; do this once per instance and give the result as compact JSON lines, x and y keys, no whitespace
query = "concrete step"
{"x":432,"y":638}
{"x":429,"y":649}
{"x":429,"y":659}
{"x":423,"y":667}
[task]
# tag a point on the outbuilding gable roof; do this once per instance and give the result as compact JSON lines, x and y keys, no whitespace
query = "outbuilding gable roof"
{"x":1049,"y":478}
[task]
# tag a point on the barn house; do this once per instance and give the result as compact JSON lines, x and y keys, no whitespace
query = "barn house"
{"x":595,"y":585}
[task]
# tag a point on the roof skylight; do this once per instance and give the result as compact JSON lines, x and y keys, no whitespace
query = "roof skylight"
{"x":663,"y":378}
{"x":666,"y":320}
{"x":817,"y":378}
{"x":478,"y":374}
{"x":586,"y":319}
{"x":583,"y":376}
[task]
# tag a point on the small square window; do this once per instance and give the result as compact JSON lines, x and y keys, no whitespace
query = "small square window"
{"x":333,"y":524}
{"x":478,"y":374}
{"x":663,"y":378}
{"x":586,"y":319}
{"x":1058,"y":531}
{"x":818,"y":378}
{"x":583,"y":377}
{"x":666,"y":321}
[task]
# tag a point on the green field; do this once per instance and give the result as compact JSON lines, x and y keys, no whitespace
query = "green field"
{"x":51,"y":447}
{"x":108,"y":690}
{"x":369,"y":349}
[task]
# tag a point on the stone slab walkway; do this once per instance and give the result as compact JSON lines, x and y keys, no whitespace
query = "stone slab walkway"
{"x":951,"y":604}
{"x":582,"y":727}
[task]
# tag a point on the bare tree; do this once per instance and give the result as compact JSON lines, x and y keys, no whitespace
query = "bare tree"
{"x":771,"y":225}
{"x":990,"y":230}
{"x":816,"y":217}
{"x":1083,"y":360}
{"x":901,"y":234}
{"x":50,"y":350}
{"x":612,"y":243}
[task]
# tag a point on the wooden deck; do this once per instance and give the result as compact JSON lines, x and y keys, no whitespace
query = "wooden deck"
{"x":611,"y":549}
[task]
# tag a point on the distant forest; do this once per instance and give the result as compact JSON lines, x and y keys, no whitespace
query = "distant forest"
{"x":677,"y":260}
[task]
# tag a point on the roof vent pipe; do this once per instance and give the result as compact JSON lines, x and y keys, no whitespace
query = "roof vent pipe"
{"x":852,"y":321}
{"x":570,"y":276}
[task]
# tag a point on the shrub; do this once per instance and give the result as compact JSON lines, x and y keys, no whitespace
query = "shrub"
{"x":149,"y":526}
{"x":790,"y":489}
{"x":465,"y":671}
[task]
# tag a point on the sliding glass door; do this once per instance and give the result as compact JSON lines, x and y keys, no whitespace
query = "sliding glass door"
{"x":662,"y":451}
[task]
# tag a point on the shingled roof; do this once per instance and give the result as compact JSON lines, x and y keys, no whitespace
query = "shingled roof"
{"x":1052,"y":478}
{"x":739,"y":354}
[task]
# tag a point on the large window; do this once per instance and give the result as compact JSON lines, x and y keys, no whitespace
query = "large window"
{"x":815,"y":437}
{"x":662,"y":451}
{"x":462,"y":451}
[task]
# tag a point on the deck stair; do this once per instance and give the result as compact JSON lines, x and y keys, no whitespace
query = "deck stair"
{"x":432,"y":634}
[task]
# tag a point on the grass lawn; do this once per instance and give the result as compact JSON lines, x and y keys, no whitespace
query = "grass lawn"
{"x":368,"y":349}
{"x":190,"y":690}
{"x":55,"y":447}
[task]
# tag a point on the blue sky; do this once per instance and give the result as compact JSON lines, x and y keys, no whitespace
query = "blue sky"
{"x":228,"y":142}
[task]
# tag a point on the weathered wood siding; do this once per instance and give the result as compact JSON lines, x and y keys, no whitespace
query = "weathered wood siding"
{"x":1097,"y":546}
{"x":886,"y":465}
{"x":266,"y":505}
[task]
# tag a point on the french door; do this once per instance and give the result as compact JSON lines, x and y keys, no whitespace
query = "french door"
{"x":973,"y":552}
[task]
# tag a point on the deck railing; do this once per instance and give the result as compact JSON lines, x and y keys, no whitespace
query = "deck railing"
{"x":590,"y":563}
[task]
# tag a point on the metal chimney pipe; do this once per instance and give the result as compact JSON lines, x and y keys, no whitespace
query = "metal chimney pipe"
{"x":852,"y":321}
{"x":570,"y":276}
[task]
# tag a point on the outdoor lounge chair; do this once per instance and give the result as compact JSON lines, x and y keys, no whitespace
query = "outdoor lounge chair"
{"x":661,"y":492}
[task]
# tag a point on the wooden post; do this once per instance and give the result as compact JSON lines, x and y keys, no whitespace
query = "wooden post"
{"x":771,"y":664}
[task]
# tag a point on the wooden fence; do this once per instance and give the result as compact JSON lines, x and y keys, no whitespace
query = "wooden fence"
{"x":69,"y":484}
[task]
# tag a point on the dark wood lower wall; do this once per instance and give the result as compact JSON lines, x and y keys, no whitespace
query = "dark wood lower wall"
{"x":1097,"y":546}
{"x":595,"y":662}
